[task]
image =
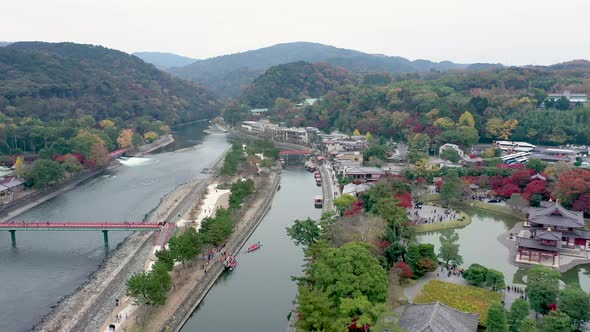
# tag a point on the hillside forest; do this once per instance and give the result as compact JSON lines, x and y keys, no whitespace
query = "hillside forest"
{"x":65,"y":98}
{"x":462,"y":107}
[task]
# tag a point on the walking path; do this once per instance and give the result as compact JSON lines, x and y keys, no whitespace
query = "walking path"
{"x":126,"y":309}
{"x":327,"y":188}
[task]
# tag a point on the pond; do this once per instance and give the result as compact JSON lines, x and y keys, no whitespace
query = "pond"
{"x":479,"y":244}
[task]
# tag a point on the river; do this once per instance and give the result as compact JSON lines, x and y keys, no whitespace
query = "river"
{"x":45,"y":266}
{"x":259,"y":294}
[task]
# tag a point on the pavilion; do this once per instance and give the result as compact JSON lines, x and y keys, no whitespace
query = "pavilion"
{"x":553,"y":230}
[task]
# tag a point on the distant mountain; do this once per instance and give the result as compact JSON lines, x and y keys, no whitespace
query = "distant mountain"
{"x":66,"y":80}
{"x":583,"y":65}
{"x":2,"y":43}
{"x":228,"y":75}
{"x":294,"y":81}
{"x":164,"y":60}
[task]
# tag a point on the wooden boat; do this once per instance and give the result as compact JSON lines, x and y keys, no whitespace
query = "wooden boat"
{"x":253,"y":247}
{"x":318,"y":202}
{"x":230,"y":263}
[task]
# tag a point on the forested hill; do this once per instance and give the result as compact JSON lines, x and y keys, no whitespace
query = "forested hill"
{"x":66,"y":80}
{"x":164,"y":60}
{"x":454,"y":107}
{"x":228,"y":75}
{"x":294,"y":81}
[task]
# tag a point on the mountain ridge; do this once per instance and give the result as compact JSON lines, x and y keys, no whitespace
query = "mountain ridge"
{"x":220,"y":73}
{"x":164,"y":60}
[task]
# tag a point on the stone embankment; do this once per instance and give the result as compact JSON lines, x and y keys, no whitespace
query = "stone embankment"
{"x":92,"y":303}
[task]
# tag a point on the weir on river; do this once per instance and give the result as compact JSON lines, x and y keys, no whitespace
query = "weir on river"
{"x":46,"y":266}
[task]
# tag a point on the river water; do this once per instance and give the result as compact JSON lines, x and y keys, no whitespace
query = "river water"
{"x":259,"y":294}
{"x":45,"y":266}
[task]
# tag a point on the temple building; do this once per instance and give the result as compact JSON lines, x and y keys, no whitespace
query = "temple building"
{"x":552,"y":231}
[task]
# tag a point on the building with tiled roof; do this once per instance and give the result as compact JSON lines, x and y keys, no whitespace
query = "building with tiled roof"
{"x":436,"y":317}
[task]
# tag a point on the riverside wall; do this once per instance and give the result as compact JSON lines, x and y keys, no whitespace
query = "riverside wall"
{"x":252,"y":216}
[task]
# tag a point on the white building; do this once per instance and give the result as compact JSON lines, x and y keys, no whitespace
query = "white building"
{"x":450,"y":146}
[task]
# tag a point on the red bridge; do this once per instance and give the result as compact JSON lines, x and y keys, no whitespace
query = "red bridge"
{"x":163,"y":228}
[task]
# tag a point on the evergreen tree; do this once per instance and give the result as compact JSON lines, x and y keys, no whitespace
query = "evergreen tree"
{"x":496,"y":321}
{"x":519,"y":310}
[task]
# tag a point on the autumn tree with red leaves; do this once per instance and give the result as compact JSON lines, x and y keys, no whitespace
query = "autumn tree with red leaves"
{"x":571,"y":185}
{"x":535,"y":187}
{"x":405,"y":271}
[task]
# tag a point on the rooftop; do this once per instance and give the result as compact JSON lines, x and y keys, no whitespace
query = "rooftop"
{"x":437,"y":317}
{"x":556,"y":215}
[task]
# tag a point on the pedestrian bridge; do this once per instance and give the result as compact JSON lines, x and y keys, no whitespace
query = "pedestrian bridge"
{"x":163,"y":229}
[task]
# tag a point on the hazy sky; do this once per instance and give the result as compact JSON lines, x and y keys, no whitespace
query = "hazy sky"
{"x":508,"y":31}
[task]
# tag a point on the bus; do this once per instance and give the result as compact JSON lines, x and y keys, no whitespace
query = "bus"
{"x":518,"y":157}
{"x":523,"y":147}
{"x":504,"y":145}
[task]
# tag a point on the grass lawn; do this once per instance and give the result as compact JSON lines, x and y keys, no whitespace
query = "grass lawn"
{"x":464,"y":298}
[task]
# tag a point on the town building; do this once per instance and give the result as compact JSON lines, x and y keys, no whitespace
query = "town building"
{"x":290,"y":135}
{"x":364,"y":174}
{"x":258,"y":111}
{"x":574,"y":98}
{"x":436,"y":317}
{"x":447,"y":146}
{"x":552,"y":230}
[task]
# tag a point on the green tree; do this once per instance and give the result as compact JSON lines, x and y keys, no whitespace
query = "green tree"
{"x":528,"y":325}
{"x":420,"y":142}
{"x":349,"y":271}
{"x":45,"y":172}
{"x":542,"y":288}
{"x":519,"y":310}
{"x":185,"y":246}
{"x":450,"y":155}
{"x":449,"y":248}
{"x":576,"y":304}
{"x":146,"y":288}
{"x":165,"y":256}
{"x":496,"y":320}
{"x":536,"y":164}
{"x":476,"y":274}
{"x":495,"y":279}
{"x":304,"y":232}
{"x":557,"y":321}
{"x":451,"y":188}
{"x":344,"y":202}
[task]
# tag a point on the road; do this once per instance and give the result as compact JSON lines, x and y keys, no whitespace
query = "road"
{"x":329,"y":186}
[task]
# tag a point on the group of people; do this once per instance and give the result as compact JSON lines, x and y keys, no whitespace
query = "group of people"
{"x":517,"y":290}
{"x":451,"y":271}
{"x":435,"y":217}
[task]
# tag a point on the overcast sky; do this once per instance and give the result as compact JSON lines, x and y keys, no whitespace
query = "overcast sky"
{"x":508,"y":31}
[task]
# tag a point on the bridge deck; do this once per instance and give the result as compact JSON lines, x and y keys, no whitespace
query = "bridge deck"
{"x":78,"y":226}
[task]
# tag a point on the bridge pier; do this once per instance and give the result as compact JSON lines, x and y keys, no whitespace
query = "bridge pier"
{"x":13,"y":237}
{"x":105,"y":236}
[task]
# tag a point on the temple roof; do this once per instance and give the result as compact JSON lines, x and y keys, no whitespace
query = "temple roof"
{"x":534,"y":244}
{"x":556,"y":215}
{"x":548,"y":235}
{"x":437,"y":317}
